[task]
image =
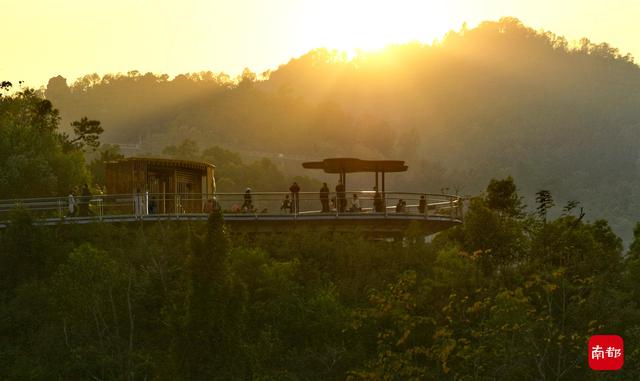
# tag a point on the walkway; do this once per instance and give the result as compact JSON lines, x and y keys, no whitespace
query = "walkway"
{"x":264,"y":212}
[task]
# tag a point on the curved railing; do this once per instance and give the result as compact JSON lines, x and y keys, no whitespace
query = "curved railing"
{"x":236,"y":205}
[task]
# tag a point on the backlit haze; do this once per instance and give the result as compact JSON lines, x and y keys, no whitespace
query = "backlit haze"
{"x":41,"y":38}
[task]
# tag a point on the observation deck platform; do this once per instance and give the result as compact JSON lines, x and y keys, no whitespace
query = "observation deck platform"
{"x":263,"y":213}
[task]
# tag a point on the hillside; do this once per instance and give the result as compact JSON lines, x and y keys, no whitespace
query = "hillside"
{"x":500,"y":99}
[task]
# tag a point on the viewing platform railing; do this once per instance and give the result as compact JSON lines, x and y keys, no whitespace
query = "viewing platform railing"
{"x":235,"y":205}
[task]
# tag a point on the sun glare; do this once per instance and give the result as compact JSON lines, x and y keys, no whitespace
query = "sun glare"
{"x":370,"y":25}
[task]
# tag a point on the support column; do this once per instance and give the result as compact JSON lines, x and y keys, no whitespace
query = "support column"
{"x":384,"y":197}
{"x":383,"y":187}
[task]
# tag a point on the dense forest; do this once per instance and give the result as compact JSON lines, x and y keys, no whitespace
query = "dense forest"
{"x":508,"y":295}
{"x":496,"y":100}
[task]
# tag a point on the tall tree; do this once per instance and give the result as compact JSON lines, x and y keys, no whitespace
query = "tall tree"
{"x":33,"y":158}
{"x":86,"y":135}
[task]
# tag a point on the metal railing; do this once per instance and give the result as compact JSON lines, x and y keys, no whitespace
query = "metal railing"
{"x":259,"y":204}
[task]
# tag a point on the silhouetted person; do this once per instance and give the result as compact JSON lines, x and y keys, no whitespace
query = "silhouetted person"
{"x":71,"y":202}
{"x":341,"y":197}
{"x":324,"y":198}
{"x":153,"y":204}
{"x":84,"y":201}
{"x":422,"y":205}
{"x":248,"y":201}
{"x":286,"y":205}
{"x":401,"y":206}
{"x":139,"y":204}
{"x":355,"y":204}
{"x":378,"y":204}
{"x":295,"y":190}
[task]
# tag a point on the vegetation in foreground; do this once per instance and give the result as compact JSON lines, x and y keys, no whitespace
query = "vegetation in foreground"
{"x":505,"y":296}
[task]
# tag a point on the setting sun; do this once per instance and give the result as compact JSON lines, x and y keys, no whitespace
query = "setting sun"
{"x":369,"y":25}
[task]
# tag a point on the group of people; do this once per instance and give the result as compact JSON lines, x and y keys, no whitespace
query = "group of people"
{"x":291,"y":202}
{"x":401,"y":206}
{"x":339,"y":202}
{"x":78,"y":202}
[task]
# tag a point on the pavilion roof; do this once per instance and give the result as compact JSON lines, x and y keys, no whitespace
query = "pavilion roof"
{"x":351,"y":165}
{"x":165,"y":162}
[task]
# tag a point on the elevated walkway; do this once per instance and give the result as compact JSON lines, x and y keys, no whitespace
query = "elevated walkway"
{"x":253,"y":212}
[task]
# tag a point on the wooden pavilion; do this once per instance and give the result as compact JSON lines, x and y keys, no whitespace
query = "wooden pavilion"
{"x":174,"y":185}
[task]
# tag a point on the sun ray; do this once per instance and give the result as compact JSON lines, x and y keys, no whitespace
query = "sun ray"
{"x":370,"y":25}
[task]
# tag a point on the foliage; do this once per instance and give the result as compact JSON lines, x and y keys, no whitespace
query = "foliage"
{"x":233,"y":175}
{"x":35,"y":159}
{"x":87,"y":132}
{"x":502,"y":296}
{"x":502,"y":196}
{"x":545,"y":202}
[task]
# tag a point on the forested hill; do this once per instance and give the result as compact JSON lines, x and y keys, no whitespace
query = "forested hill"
{"x":499,"y":99}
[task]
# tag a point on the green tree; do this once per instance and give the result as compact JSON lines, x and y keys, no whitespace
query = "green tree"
{"x":501,"y":195}
{"x":208,"y":315}
{"x":33,"y":161}
{"x":87,"y":134}
{"x":545,"y":202}
{"x":187,"y":150}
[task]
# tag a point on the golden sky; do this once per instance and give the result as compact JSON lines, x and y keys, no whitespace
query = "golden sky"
{"x":44,"y":38}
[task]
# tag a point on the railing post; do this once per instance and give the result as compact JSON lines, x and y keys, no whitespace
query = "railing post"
{"x":451,"y":207}
{"x":59,"y":209}
{"x":384,"y":198}
{"x":145,"y":211}
{"x":426,"y":207}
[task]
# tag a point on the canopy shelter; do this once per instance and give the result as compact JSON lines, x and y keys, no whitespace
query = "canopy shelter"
{"x":342,"y":166}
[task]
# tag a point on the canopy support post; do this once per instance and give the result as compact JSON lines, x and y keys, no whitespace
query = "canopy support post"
{"x":384,"y":197}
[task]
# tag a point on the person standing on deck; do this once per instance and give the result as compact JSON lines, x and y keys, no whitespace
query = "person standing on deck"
{"x":295,"y":190}
{"x":378,"y":204}
{"x":71,"y":202}
{"x":422,"y":205}
{"x":138,"y":204}
{"x":341,"y":197}
{"x":324,"y":198}
{"x":84,"y":201}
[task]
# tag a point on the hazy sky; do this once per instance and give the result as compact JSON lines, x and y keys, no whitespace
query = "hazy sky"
{"x":44,"y":38}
